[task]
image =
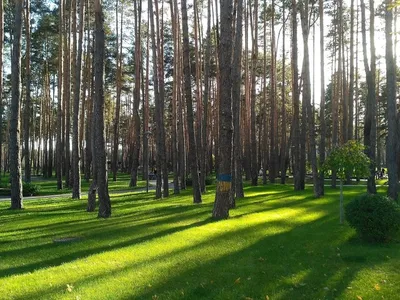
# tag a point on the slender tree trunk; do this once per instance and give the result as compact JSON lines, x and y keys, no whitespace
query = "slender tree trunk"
{"x":189,"y":105}
{"x":98,"y":114}
{"x":237,"y":177}
{"x":27,"y":109}
{"x":175,"y":91}
{"x":67,"y":89}
{"x":1,"y":81}
{"x":322,"y":100}
{"x":119,"y":88}
{"x":295,"y":99}
{"x":223,"y":192}
{"x":370,"y":114}
{"x":307,"y":96}
{"x":392,"y":144}
{"x":254,"y":59}
{"x":274,"y":109}
{"x":76,"y":157}
{"x":136,"y":96}
{"x":14,"y":143}
{"x":157,"y":101}
{"x":284,"y":156}
{"x":350,"y":133}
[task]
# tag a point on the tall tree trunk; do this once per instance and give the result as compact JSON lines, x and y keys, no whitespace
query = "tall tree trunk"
{"x":98,"y":114}
{"x":157,"y":101}
{"x":350,"y":133}
{"x":60,"y":96}
{"x":322,"y":100}
{"x":1,"y":81}
{"x":175,"y":92}
{"x":119,"y":88}
{"x":273,"y":161}
{"x":237,"y":178}
{"x":27,"y":109}
{"x":14,"y":143}
{"x":76,"y":156}
{"x":189,"y":114}
{"x":254,"y":59}
{"x":199,"y":108}
{"x":370,"y":113}
{"x":295,"y":99}
{"x":67,"y":89}
{"x":136,"y":96}
{"x":223,"y":192}
{"x":392,"y":144}
{"x":284,"y":157}
{"x":307,"y":96}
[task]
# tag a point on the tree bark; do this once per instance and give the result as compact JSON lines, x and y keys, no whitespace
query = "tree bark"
{"x":322,"y":100}
{"x":223,"y":192}
{"x":27,"y":108}
{"x":237,"y":177}
{"x":76,"y":156}
{"x":370,"y":113}
{"x":136,"y":96}
{"x":392,"y":144}
{"x":189,"y":105}
{"x":98,"y":114}
{"x":295,"y":100}
{"x":14,"y":142}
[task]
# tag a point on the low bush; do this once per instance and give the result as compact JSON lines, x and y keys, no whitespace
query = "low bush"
{"x":29,"y":189}
{"x":376,"y":218}
{"x":209,"y":181}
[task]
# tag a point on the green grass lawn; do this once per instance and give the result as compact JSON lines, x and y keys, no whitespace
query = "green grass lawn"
{"x":276,"y":243}
{"x":49,"y":186}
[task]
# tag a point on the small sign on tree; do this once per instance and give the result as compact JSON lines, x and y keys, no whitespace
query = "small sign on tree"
{"x":347,"y":160}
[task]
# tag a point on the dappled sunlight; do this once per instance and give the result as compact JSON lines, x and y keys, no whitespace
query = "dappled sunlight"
{"x":276,"y":243}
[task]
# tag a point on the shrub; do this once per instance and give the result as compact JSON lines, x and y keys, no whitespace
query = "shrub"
{"x":209,"y":181}
{"x":376,"y":218}
{"x":189,"y":181}
{"x":29,"y":189}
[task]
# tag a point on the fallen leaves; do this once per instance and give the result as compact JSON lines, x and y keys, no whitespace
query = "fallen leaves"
{"x":237,"y":281}
{"x":377,"y":287}
{"x":70,"y":287}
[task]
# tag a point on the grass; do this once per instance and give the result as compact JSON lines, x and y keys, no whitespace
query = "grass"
{"x":49,"y":186}
{"x":276,"y":243}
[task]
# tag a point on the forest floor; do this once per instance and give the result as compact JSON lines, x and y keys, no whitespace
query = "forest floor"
{"x":277,"y":244}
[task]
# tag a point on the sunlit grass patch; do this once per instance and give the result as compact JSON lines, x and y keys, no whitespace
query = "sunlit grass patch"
{"x":276,"y":243}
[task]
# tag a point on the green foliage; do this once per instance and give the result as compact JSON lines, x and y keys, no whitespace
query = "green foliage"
{"x":376,"y":218}
{"x":348,"y":160}
{"x":29,"y":189}
{"x":209,"y":181}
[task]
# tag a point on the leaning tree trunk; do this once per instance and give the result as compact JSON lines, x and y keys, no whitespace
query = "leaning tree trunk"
{"x":223,"y":192}
{"x":98,"y":115}
{"x":189,"y":105}
{"x":14,"y":142}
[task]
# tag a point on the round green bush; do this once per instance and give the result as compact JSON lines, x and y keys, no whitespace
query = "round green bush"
{"x":376,"y":218}
{"x":29,"y":189}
